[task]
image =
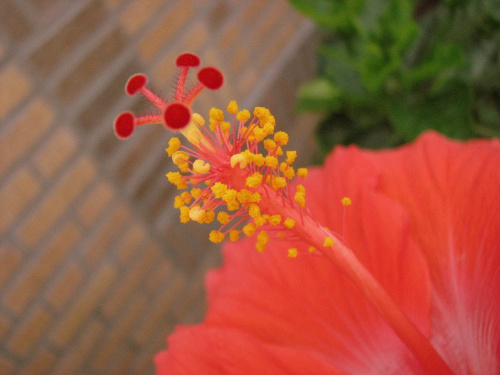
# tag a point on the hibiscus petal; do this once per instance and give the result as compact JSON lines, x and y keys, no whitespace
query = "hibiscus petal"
{"x":452,"y":191}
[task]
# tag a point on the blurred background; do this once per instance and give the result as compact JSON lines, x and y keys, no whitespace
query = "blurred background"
{"x":95,"y":268}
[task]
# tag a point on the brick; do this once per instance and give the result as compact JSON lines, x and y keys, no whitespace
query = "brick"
{"x":18,"y":192}
{"x":122,"y":365}
{"x":96,"y":201}
{"x":57,"y":49}
{"x":57,"y":201}
{"x":5,"y":325}
{"x":137,"y":14}
{"x":29,"y":331}
{"x":75,"y":357}
{"x":90,"y":67}
{"x":268,"y":23}
{"x":55,"y":152}
{"x":130,"y":242}
{"x":93,"y":116}
{"x":25,"y":132}
{"x":65,"y":286}
{"x":118,"y":333}
{"x":13,"y":22}
{"x":165,"y":30}
{"x":10,"y":259}
{"x":86,"y":304}
{"x":106,"y":235}
{"x":38,"y":272}
{"x":15,"y":87}
{"x":40,"y":362}
{"x":158,"y":309}
{"x":7,"y":366}
{"x":131,"y":282}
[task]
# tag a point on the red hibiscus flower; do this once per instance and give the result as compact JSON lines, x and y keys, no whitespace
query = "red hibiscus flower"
{"x":425,"y":221}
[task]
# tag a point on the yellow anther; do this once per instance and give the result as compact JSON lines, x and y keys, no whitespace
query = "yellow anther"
{"x":239,"y":159}
{"x":269,"y":145}
{"x":291,"y":156}
{"x":244,"y":196}
{"x":254,"y":180}
{"x":180,"y":157}
{"x":300,"y":198}
{"x":216,"y":114}
{"x":261,"y":113}
{"x":346,"y":201}
{"x":201,"y":166}
{"x":196,"y":192}
{"x":234,"y":235}
{"x":223,"y":217}
{"x":176,"y":179}
{"x":289,"y":223}
{"x":219,"y":189}
{"x":230,"y":198}
{"x":289,"y":172}
{"x":292,"y":253}
{"x":311,"y":249}
{"x":258,"y":160}
{"x":275,"y":220}
{"x":216,"y":236}
{"x":198,"y":119}
{"x":268,"y":128}
{"x":225,"y":126}
{"x":259,"y":221}
{"x":173,"y":145}
{"x":302,"y":172}
{"x":328,"y":242}
{"x":281,"y":235}
{"x":243,"y":115}
{"x":259,"y":134}
{"x":271,"y":161}
{"x":255,"y":198}
{"x":249,"y":229}
{"x":278,"y":183}
{"x":232,"y":107}
{"x":262,"y":240}
{"x":209,"y":217}
{"x":184,"y":214}
{"x":197,"y":214}
{"x":178,"y":202}
{"x":281,"y":138}
{"x":301,"y":188}
{"x":254,"y":210}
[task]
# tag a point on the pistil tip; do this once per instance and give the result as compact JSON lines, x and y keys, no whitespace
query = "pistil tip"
{"x":211,"y":78}
{"x":135,"y":83}
{"x":187,"y":60}
{"x":177,"y":116}
{"x":124,"y":125}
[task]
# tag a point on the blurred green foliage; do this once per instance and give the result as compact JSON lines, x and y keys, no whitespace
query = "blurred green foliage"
{"x":390,"y":69}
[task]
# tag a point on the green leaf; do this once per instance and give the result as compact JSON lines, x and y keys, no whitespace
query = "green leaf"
{"x":318,"y":95}
{"x":448,"y":112}
{"x":333,"y":14}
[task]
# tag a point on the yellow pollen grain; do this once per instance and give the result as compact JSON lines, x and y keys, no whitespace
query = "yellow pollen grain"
{"x":225,"y":126}
{"x":223,"y":217}
{"x":196,"y":192}
{"x":281,"y":138}
{"x":201,"y":166}
{"x":271,"y":161}
{"x":219,"y":189}
{"x":180,"y":157}
{"x":259,"y":221}
{"x":289,"y":172}
{"x":197,"y":214}
{"x":269,"y":145}
{"x":173,"y":145}
{"x":291,"y":156}
{"x":232,"y":107}
{"x":328,"y":242}
{"x":254,"y":210}
{"x":312,"y":249}
{"x":216,"y":114}
{"x":275,"y":220}
{"x":258,"y":160}
{"x":302,"y":172}
{"x":209,"y":217}
{"x":243,"y":115}
{"x":184,"y":214}
{"x":215,"y":236}
{"x":300,"y":198}
{"x":346,"y":201}
{"x":289,"y":223}
{"x":176,"y":179}
{"x":278,"y":183}
{"x":249,"y":229}
{"x":254,"y":180}
{"x":292,"y":253}
{"x":234,"y":235}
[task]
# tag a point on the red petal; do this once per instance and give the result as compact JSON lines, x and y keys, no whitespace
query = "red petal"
{"x":452,"y":191}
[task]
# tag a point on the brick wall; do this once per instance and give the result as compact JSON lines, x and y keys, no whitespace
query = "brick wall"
{"x":95,"y":269}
